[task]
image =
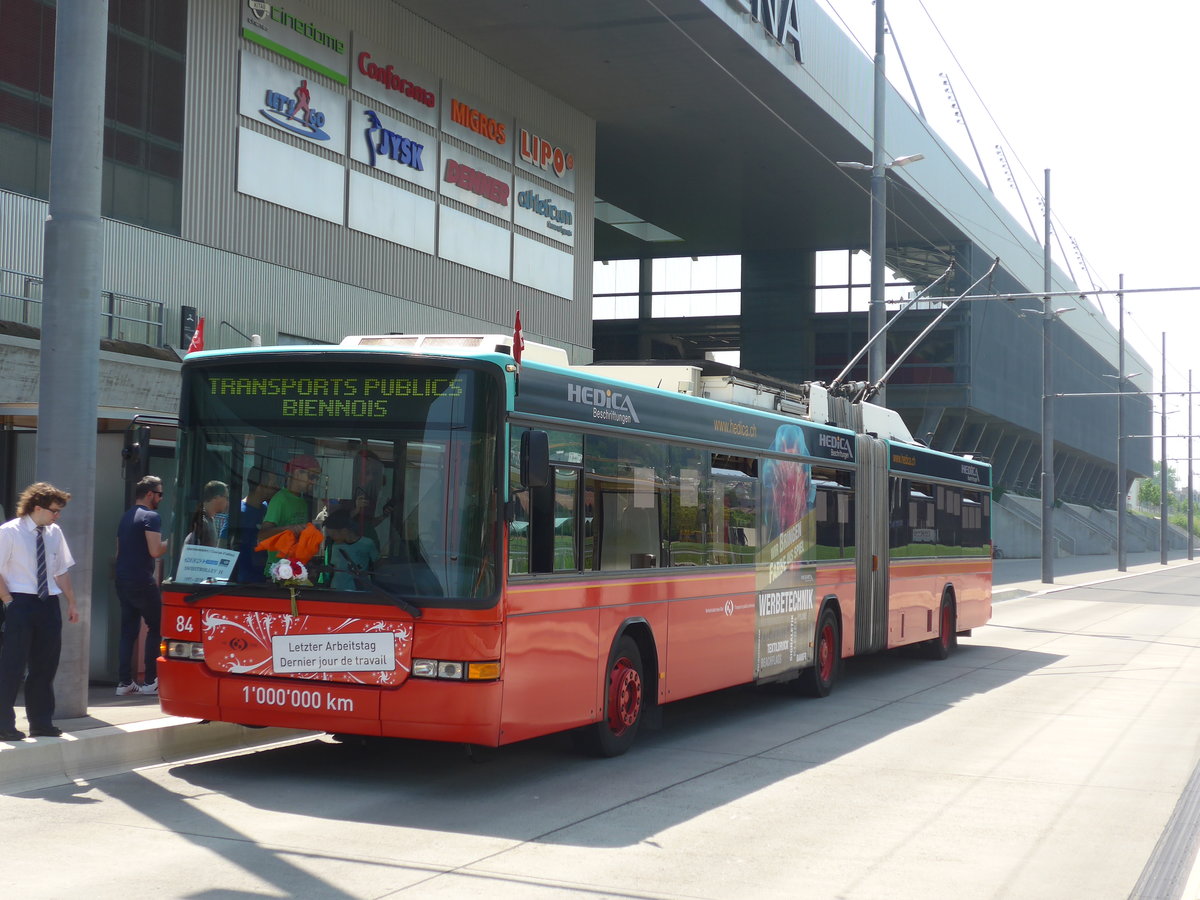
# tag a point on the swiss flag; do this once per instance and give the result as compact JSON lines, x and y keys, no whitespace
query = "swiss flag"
{"x":518,"y":339}
{"x":197,"y":338}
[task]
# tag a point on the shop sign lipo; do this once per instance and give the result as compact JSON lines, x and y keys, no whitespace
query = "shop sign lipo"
{"x":545,"y":157}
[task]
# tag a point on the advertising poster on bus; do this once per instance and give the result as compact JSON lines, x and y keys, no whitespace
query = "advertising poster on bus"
{"x":786,"y":584}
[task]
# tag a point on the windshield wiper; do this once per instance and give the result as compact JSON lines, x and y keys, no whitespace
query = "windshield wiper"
{"x":196,"y":596}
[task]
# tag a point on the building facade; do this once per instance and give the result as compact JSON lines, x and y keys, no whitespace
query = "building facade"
{"x":297,"y":172}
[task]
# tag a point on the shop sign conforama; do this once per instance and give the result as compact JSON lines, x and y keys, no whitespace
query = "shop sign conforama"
{"x":395,"y":83}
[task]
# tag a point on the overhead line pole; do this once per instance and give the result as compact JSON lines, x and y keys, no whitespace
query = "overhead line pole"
{"x":1047,"y":413}
{"x":877,"y":311}
{"x":1122,"y":492}
{"x":1162,"y":466}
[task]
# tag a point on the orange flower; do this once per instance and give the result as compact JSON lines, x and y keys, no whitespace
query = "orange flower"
{"x":307,"y":544}
{"x":281,"y":543}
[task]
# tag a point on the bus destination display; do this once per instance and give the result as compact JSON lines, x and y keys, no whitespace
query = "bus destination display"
{"x":298,"y":397}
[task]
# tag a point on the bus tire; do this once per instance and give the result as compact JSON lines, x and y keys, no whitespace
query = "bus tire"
{"x":624,"y":703}
{"x":818,"y":679}
{"x":943,"y":645}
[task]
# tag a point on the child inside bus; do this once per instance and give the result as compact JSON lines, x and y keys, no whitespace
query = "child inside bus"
{"x":351,"y":552}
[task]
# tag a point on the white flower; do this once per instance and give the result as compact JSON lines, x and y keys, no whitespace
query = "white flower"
{"x":286,"y":570}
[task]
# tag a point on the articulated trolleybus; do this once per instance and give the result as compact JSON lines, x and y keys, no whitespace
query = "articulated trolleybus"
{"x":515,"y":550}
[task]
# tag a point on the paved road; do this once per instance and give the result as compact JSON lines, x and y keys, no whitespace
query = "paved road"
{"x":1052,"y":756}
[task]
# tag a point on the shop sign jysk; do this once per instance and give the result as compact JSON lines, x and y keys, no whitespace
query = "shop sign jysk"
{"x":477,"y":182}
{"x":289,"y":102}
{"x":482,"y":125}
{"x":292,"y":30}
{"x":544,"y":212}
{"x":546,"y":158}
{"x":384,"y":76}
{"x":388,"y":145}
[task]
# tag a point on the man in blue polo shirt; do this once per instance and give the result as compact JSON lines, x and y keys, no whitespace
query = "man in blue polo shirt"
{"x":139,"y":544}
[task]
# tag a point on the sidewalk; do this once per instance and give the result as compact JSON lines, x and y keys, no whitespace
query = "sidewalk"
{"x":122,"y":733}
{"x":119,"y":734}
{"x":1013,"y":578}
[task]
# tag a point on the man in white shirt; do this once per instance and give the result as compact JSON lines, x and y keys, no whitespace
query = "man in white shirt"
{"x":34,"y":560}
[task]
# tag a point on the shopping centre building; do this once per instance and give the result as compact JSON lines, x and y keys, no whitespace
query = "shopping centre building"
{"x":297,"y":172}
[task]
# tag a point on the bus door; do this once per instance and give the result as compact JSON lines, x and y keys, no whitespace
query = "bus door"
{"x":149,"y":449}
{"x":871,"y":539}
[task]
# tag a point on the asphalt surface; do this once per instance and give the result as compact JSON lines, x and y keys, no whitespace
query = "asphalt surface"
{"x":122,"y":733}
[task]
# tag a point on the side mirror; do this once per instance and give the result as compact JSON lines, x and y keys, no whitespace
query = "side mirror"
{"x":535,"y":459}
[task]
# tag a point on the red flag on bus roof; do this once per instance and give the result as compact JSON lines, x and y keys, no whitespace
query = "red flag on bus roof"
{"x":518,"y":339}
{"x":197,"y":337}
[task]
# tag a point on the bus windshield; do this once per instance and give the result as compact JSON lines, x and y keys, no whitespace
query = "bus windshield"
{"x":392,"y":464}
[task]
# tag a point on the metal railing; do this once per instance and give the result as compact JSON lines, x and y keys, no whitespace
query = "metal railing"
{"x":125,"y":318}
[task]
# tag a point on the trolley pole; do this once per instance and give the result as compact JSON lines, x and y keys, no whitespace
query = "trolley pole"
{"x":1047,"y":413}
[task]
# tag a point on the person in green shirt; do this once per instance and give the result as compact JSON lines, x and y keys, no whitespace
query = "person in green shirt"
{"x":289,"y":508}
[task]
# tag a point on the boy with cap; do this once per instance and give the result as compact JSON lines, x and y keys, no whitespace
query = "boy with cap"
{"x":289,"y":508}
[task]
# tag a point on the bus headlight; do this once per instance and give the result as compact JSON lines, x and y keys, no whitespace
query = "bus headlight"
{"x":455,"y":670}
{"x":450,"y":670}
{"x":192,"y":650}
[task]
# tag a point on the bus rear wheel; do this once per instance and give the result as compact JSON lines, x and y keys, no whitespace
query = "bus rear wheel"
{"x":943,"y":645}
{"x":817,"y":681}
{"x":624,"y":703}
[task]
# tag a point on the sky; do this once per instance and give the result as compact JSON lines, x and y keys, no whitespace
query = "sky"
{"x":1100,"y":94}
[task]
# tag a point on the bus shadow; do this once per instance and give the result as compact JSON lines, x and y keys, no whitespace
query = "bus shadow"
{"x":709,"y":751}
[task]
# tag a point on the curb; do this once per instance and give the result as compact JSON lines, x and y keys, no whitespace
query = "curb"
{"x":1012,"y":594}
{"x":113,"y":749}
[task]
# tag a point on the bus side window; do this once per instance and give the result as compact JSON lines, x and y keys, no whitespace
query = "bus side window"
{"x":519,"y":510}
{"x":835,"y":513}
{"x":736,"y":502}
{"x":553,"y":522}
{"x":625,"y":479}
{"x":689,"y":529}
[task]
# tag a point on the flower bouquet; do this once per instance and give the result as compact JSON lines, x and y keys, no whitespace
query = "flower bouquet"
{"x":294,"y":551}
{"x":291,"y":574}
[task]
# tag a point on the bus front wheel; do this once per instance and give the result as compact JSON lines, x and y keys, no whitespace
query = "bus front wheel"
{"x":817,"y":680}
{"x":624,"y":703}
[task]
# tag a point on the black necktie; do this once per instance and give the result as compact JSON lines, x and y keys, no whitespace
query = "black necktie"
{"x":43,"y":587}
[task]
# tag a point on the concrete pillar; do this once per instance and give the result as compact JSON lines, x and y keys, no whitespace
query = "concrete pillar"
{"x":778,"y":302}
{"x":69,"y":368}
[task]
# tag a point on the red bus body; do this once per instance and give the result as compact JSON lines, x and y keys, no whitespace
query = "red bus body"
{"x":312,"y":661}
{"x":553,"y":640}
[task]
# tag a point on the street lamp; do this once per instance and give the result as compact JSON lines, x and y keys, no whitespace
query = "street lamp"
{"x":894,"y":164}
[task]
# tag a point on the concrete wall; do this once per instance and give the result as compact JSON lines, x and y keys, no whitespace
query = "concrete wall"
{"x":1079,"y":530}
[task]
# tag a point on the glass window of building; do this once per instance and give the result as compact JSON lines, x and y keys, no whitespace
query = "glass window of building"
{"x":143,"y":106}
